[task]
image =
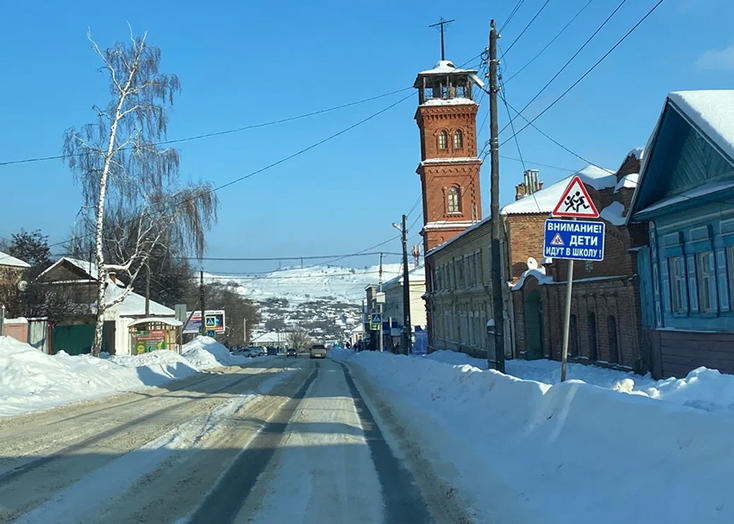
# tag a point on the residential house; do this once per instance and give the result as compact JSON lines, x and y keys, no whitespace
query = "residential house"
{"x":78,"y":278}
{"x":685,"y":197}
{"x":605,"y":308}
{"x":11,"y":273}
{"x":392,"y":309}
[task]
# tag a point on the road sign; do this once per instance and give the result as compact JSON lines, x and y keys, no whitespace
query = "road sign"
{"x":574,"y":239}
{"x":376,"y":318}
{"x":211,"y":333}
{"x":217,"y":316}
{"x":575,"y":202}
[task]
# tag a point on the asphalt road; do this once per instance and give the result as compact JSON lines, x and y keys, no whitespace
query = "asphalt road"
{"x":278,"y":441}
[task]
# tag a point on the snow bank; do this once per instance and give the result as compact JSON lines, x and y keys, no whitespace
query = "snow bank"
{"x":206,"y":353}
{"x":32,"y":381}
{"x":525,"y":451}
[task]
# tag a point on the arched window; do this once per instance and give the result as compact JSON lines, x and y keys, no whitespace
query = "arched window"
{"x":443,"y":140}
{"x":593,"y":349}
{"x":458,"y":139}
{"x":573,"y":345}
{"x":453,"y":200}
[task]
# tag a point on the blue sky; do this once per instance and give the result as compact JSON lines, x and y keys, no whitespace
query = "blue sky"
{"x":241,"y":63}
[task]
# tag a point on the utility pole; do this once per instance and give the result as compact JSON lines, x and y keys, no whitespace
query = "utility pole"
{"x":380,"y":280}
{"x":201,"y":299}
{"x":244,"y":332}
{"x":440,"y":24}
{"x":407,"y":327}
{"x":494,"y":208}
{"x":147,"y":289}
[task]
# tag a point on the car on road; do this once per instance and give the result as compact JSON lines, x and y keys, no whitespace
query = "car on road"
{"x":291,"y":352}
{"x":272,"y":352}
{"x":318,"y":351}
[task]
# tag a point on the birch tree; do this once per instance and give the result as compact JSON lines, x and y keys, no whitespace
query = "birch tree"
{"x":123,"y":167}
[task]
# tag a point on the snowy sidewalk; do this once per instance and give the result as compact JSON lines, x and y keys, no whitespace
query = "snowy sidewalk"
{"x":525,"y":451}
{"x":33,"y":381}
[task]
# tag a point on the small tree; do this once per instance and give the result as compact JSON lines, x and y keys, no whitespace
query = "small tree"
{"x":298,"y":338}
{"x":121,"y":168}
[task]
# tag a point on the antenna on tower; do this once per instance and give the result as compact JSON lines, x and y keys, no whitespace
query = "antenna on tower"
{"x":441,"y":24}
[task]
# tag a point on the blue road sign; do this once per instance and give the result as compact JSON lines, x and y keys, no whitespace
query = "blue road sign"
{"x":211,"y":333}
{"x":376,"y":319}
{"x":574,"y":239}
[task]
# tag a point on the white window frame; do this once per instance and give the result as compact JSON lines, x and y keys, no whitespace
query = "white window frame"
{"x":730,"y":274}
{"x":458,"y":139}
{"x":677,"y":270}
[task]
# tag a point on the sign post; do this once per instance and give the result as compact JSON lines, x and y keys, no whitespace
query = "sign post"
{"x":573,"y":240}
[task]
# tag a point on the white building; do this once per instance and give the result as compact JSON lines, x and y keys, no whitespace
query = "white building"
{"x":393,"y":291}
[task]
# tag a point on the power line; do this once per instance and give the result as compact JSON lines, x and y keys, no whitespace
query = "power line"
{"x":526,"y":28}
{"x":577,"y":82}
{"x":275,"y":259}
{"x":551,"y":42}
{"x":540,"y":164}
{"x":232,"y":276}
{"x":573,"y":57}
{"x":511,"y":15}
{"x":230,"y":131}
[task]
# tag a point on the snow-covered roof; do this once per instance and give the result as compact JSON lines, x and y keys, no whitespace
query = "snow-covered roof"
{"x":706,"y":189}
{"x":712,"y":112}
{"x":613,"y":213}
{"x":445,"y":66}
{"x":266,"y":338}
{"x":88,"y":268}
{"x":545,"y":200}
{"x":450,"y":160}
{"x":11,"y":261}
{"x":538,"y":273}
{"x":627,"y":181}
{"x":449,"y":242}
{"x":638,"y":153}
{"x":449,"y":102}
{"x":169,"y":321}
{"x":134,"y":304}
{"x":417,"y":274}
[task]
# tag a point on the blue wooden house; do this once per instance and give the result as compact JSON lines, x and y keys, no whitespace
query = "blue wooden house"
{"x":685,"y":195}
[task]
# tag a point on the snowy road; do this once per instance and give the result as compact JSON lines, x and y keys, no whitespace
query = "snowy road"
{"x":277,"y":441}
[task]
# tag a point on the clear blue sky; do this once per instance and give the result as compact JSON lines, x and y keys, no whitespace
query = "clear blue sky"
{"x":247,"y":62}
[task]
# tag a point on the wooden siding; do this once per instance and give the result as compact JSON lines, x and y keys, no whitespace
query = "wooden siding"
{"x":682,"y":351}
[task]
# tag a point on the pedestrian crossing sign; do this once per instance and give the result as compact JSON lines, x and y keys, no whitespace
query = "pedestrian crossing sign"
{"x":211,"y":322}
{"x":557,"y":240}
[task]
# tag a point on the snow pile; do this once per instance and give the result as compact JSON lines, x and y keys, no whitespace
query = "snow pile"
{"x":206,"y":353}
{"x":703,"y":388}
{"x":628,"y":181}
{"x":31,"y":380}
{"x":613,"y":213}
{"x":529,"y":445}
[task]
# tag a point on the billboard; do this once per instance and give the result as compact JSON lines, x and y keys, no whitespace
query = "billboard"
{"x":215,"y":321}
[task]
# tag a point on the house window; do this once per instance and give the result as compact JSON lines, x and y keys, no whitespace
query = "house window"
{"x":730,"y":265}
{"x":613,"y":342}
{"x":443,"y":140}
{"x":678,"y":284}
{"x":706,"y":281}
{"x":458,"y":139}
{"x":593,"y":349}
{"x":454,"y":200}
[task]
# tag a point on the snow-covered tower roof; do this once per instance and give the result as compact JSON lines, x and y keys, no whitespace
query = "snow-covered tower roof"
{"x":446,"y":83}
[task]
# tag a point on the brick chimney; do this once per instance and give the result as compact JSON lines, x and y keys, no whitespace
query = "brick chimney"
{"x":531,"y":185}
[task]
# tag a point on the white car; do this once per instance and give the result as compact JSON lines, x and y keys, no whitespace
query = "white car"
{"x":318,"y":351}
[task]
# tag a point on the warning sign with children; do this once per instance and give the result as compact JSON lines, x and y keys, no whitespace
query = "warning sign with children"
{"x":575,"y":202}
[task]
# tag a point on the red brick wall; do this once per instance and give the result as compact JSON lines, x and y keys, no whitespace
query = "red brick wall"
{"x":526,"y":240}
{"x":432,"y":120}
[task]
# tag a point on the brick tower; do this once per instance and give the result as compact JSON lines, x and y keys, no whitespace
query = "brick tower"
{"x":449,"y":168}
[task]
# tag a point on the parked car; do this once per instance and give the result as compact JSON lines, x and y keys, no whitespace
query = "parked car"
{"x":272,"y":352}
{"x":318,"y":351}
{"x":291,"y":352}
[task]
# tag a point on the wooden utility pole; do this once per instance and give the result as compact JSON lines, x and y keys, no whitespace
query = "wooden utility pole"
{"x":494,"y":208}
{"x":380,"y":278}
{"x":407,"y":327}
{"x":201,"y":299}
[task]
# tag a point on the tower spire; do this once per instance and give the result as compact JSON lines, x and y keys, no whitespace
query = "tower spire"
{"x":441,"y":24}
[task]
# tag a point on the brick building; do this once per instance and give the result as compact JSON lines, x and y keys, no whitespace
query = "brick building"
{"x":605,"y":310}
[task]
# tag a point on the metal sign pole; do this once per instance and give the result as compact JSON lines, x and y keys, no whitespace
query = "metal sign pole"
{"x":567,"y":320}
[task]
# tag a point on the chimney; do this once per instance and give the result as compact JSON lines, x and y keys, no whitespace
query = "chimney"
{"x":531,"y":184}
{"x":113,"y":276}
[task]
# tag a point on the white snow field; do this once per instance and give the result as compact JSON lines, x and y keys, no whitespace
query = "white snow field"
{"x":308,"y":283}
{"x":519,"y":450}
{"x":31,"y":380}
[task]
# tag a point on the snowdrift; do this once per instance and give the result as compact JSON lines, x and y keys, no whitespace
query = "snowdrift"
{"x":31,"y":380}
{"x":206,"y":353}
{"x":526,"y":451}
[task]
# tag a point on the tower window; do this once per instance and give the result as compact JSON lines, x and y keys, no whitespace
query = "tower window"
{"x":458,"y":139}
{"x":454,"y":200}
{"x":443,"y":140}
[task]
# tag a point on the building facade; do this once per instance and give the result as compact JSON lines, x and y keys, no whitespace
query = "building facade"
{"x":392,"y":309}
{"x":449,"y":168}
{"x":685,"y":198}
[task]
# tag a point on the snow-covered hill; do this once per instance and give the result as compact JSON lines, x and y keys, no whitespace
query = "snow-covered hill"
{"x":298,"y":285}
{"x":323,"y":300}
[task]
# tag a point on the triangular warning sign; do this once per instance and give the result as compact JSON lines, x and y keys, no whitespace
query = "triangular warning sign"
{"x":576,"y":202}
{"x":557,"y":240}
